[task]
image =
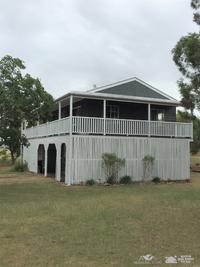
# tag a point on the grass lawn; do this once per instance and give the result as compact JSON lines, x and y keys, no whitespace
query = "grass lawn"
{"x":43,"y":223}
{"x":195,"y":159}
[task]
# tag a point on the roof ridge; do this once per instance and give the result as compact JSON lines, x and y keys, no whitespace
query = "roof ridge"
{"x":113,"y":83}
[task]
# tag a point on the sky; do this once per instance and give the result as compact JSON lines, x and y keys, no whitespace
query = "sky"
{"x":73,"y":44}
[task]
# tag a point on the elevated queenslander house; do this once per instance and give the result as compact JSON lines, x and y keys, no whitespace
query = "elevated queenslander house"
{"x":129,"y":118}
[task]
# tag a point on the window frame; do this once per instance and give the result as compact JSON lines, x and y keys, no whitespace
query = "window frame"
{"x":156,"y":114}
{"x":112,"y":111}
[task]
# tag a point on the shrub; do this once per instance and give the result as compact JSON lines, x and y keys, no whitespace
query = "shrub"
{"x":148,"y":162}
{"x":156,"y":180}
{"x":111,"y":180}
{"x":20,"y":166}
{"x":4,"y":155}
{"x":148,"y":158}
{"x":90,"y":182}
{"x":125,"y":180}
{"x":111,"y":165}
{"x":194,"y":148}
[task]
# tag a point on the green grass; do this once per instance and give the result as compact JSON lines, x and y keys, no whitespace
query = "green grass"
{"x":43,"y":223}
{"x":195,"y":159}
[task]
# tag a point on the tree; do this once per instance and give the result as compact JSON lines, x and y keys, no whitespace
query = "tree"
{"x":186,"y":55}
{"x":188,"y":99}
{"x":21,"y":98}
{"x":187,"y":117}
{"x":196,"y":5}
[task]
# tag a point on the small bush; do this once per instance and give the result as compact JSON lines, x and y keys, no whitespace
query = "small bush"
{"x":148,"y":162}
{"x":4,"y":154}
{"x":148,"y":158}
{"x":125,"y":180}
{"x":90,"y":182}
{"x":156,"y":180}
{"x":111,"y":180}
{"x":20,"y":166}
{"x":111,"y":166}
{"x":194,"y":148}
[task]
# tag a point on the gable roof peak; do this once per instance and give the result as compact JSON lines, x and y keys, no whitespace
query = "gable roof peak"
{"x":141,"y":82}
{"x":98,"y":88}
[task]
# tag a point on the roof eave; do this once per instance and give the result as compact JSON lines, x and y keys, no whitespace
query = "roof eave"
{"x":120,"y":97}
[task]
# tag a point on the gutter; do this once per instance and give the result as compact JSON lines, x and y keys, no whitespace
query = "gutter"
{"x":119,"y":98}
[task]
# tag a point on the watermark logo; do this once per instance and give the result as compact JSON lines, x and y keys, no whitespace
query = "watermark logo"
{"x":181,"y":259}
{"x":150,"y":259}
{"x":171,"y":260}
{"x":147,"y":259}
{"x":185,"y":259}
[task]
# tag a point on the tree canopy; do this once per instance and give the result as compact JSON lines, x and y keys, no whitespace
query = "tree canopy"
{"x":22,"y":97}
{"x":186,"y":55}
{"x":184,"y":116}
{"x":196,"y":5}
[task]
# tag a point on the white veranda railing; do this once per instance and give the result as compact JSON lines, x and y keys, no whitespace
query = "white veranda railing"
{"x":101,"y":126}
{"x":57,"y":127}
{"x":92,"y":125}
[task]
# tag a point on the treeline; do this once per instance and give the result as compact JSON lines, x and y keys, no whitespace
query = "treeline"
{"x":22,"y":97}
{"x":184,"y":116}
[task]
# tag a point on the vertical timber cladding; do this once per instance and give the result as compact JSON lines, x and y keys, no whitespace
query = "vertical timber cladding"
{"x":171,"y":156}
{"x":31,"y":154}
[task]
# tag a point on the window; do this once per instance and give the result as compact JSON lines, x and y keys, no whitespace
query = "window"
{"x":112,"y":111}
{"x":157,"y":115}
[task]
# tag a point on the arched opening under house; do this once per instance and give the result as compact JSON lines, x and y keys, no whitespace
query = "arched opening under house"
{"x":51,"y":162}
{"x":62,"y":165}
{"x":41,"y":159}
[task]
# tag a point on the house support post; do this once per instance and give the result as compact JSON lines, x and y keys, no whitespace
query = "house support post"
{"x":68,"y":172}
{"x":104,"y":117}
{"x":45,"y":160}
{"x":149,"y":119}
{"x":58,"y":162}
{"x":59,"y":110}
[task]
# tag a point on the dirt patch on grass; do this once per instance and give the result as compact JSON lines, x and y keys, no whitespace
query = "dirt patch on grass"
{"x":7,"y":176}
{"x":11,"y":180}
{"x":195,"y":168}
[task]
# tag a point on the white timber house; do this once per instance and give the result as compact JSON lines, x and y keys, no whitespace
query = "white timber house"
{"x":129,"y":118}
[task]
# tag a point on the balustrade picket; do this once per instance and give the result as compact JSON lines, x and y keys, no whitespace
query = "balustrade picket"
{"x":91,"y":125}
